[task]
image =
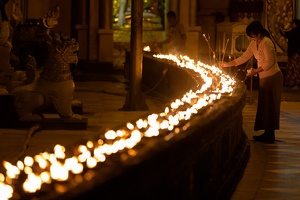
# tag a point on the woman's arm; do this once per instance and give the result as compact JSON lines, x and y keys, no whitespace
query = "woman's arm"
{"x":240,"y":60}
{"x":227,"y":64}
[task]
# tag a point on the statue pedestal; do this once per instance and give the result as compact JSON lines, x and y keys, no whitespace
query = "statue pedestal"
{"x":77,"y":108}
{"x":9,"y":118}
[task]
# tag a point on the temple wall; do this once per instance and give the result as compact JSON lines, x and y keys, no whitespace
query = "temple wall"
{"x":87,"y":21}
{"x":37,"y":9}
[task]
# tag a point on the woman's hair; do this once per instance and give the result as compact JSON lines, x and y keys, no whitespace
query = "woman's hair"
{"x":266,"y":33}
{"x":255,"y":27}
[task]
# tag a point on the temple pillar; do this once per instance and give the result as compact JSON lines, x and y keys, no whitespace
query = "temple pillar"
{"x":193,"y":13}
{"x":173,"y":5}
{"x":188,"y":18}
{"x":82,"y":28}
{"x":93,"y":29}
{"x":82,"y":34}
{"x":105,"y":33}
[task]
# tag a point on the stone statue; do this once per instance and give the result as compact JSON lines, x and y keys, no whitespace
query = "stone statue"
{"x":51,"y":85}
{"x":42,"y":80}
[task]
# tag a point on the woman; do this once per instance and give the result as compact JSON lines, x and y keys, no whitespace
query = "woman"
{"x":293,"y":65}
{"x":270,"y":80}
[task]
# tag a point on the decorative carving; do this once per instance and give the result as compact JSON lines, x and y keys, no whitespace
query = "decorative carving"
{"x":279,"y":15}
{"x":51,"y":18}
{"x":62,"y":51}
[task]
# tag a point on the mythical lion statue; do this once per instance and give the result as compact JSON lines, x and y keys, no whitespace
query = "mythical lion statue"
{"x":51,"y":85}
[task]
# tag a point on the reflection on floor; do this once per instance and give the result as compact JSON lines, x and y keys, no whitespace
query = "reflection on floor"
{"x":273,"y":169}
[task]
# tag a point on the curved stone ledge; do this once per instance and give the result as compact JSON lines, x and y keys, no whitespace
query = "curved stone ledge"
{"x":205,"y":160}
{"x":163,"y":79}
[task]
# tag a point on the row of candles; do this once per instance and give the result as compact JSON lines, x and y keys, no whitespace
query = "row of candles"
{"x":61,"y":166}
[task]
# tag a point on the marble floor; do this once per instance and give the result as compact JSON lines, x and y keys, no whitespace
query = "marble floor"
{"x":273,"y":170}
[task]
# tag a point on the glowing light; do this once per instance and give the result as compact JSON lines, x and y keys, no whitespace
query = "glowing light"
{"x":101,"y":157}
{"x":91,"y":162}
{"x":45,"y":177}
{"x":147,"y":48}
{"x":111,"y":135}
{"x":130,"y":126}
{"x":70,"y":162}
{"x":41,"y":161}
{"x":59,"y":172}
{"x":84,"y":156}
{"x":56,"y":166}
{"x":59,"y":151}
{"x":2,"y":177}
{"x":141,"y":124}
{"x":6,"y":191}
{"x":77,"y":168}
{"x":90,"y":144}
{"x":20,"y":165}
{"x":32,"y":183}
{"x":11,"y":170}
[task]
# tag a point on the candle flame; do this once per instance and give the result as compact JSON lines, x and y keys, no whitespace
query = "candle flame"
{"x":57,"y":166}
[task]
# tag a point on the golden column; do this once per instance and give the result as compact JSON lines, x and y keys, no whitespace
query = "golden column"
{"x":105,"y":33}
{"x":81,"y":27}
{"x":188,"y":19}
{"x":93,"y":30}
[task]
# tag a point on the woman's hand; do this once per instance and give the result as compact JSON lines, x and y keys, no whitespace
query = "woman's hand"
{"x":251,"y":72}
{"x":226,"y":64}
